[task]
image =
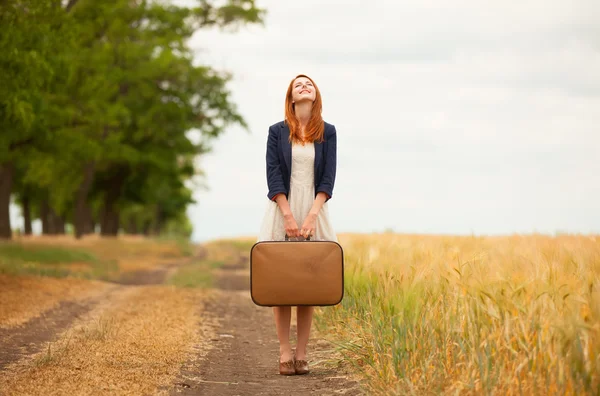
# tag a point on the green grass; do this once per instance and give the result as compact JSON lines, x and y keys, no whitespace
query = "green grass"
{"x":45,"y":254}
{"x":195,"y":275}
{"x":18,"y":259}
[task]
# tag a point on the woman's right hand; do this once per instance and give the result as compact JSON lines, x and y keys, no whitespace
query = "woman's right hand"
{"x":291,"y":227}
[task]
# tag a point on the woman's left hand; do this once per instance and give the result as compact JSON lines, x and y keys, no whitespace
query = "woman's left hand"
{"x":309,"y":225}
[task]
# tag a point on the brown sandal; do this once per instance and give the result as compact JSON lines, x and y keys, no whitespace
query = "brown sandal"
{"x":301,"y":367}
{"x":287,"y":368}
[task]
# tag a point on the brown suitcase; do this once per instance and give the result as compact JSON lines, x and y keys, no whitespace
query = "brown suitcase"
{"x":292,"y":273}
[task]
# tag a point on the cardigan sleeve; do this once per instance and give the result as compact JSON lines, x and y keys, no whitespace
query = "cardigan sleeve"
{"x":274,"y":176}
{"x":328,"y":180}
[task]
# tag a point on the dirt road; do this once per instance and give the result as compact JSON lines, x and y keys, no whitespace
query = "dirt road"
{"x":244,"y":355}
{"x":161,"y":340}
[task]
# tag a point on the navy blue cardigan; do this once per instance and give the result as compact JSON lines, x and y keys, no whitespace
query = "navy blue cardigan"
{"x":279,"y":158}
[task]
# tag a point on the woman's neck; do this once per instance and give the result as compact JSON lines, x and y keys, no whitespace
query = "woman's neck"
{"x":303,"y":112}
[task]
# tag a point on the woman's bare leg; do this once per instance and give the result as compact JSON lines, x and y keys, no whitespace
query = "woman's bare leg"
{"x":283,"y":316}
{"x":304,"y":318}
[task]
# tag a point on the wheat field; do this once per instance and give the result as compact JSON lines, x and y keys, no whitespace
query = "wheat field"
{"x":470,"y":315}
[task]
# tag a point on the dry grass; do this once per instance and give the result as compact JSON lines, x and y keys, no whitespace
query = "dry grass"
{"x":132,"y":344}
{"x":133,"y":341}
{"x":25,"y":297}
{"x":131,"y":253}
{"x":471,"y":315}
{"x":226,"y":250}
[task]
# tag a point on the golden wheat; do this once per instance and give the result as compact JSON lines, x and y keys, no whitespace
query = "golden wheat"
{"x":471,"y":315}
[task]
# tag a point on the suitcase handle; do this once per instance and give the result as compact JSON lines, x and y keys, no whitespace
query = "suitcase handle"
{"x":287,"y":238}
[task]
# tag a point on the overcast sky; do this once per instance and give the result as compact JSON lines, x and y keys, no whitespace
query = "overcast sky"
{"x":452,"y":117}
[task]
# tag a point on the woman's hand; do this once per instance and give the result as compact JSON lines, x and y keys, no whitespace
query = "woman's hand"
{"x":309,"y":225}
{"x":291,"y":227}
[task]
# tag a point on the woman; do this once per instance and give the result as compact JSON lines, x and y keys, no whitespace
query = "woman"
{"x":301,"y":167}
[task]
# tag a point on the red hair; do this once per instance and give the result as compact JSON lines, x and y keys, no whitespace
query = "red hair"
{"x":316,"y":127}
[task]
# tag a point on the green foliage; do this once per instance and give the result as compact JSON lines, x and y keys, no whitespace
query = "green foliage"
{"x":112,"y":87}
{"x":179,"y":227}
{"x":25,"y":43}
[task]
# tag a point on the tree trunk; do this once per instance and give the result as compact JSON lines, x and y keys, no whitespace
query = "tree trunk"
{"x":110,"y":218}
{"x":44,"y":216}
{"x":82,"y":218}
{"x":132,"y":227}
{"x":110,"y":221}
{"x":27,"y":215}
{"x":6,"y":178}
{"x":58,"y":223}
{"x":146,"y":228}
{"x":100,"y":219}
{"x":128,"y":226}
{"x":89,"y":227}
{"x":92,"y":224}
{"x":53,"y":221}
{"x":159,"y":221}
{"x":70,"y":5}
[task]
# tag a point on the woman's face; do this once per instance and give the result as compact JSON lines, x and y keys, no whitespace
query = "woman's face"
{"x":303,"y":89}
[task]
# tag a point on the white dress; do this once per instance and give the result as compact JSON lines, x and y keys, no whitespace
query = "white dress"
{"x":300,"y":197}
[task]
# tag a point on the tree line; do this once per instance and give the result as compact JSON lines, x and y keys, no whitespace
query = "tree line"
{"x":97,"y":101}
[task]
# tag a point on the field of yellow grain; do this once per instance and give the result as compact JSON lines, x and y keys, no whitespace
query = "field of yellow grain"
{"x":471,"y":315}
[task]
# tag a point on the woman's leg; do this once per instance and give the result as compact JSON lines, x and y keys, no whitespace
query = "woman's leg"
{"x":304,"y":318}
{"x":283,"y":316}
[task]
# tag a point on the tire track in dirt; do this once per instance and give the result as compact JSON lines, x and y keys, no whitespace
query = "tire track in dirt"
{"x":32,"y":337}
{"x":243,"y":356}
{"x":19,"y":342}
{"x":147,"y":277}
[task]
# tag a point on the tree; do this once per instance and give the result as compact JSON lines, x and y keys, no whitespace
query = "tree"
{"x":102,"y":101}
{"x":25,"y":42}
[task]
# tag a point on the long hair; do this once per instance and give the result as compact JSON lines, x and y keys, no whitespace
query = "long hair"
{"x":316,"y":127}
